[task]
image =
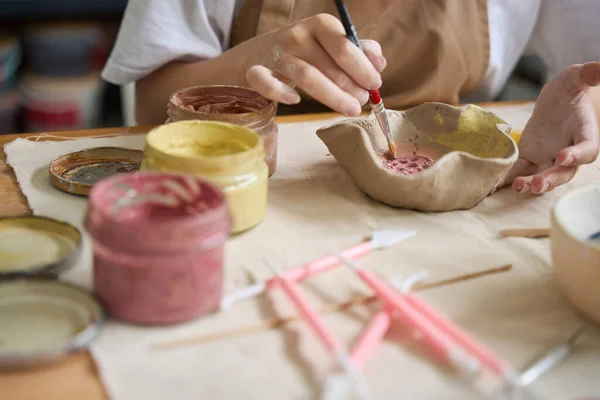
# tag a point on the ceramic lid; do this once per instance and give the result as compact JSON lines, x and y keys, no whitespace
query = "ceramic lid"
{"x":42,"y":321}
{"x":37,"y":246}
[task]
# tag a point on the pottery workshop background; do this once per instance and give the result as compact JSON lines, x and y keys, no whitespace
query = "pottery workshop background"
{"x":52,"y":52}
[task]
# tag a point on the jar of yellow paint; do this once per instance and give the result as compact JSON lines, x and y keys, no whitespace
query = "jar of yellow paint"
{"x":230,"y":156}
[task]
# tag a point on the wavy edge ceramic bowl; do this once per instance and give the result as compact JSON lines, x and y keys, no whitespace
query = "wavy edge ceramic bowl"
{"x":449,"y":130}
{"x":576,"y":259}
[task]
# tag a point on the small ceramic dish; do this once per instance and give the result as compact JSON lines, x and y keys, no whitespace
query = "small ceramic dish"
{"x":77,"y":172}
{"x":575,"y":252}
{"x":44,"y":321}
{"x":471,"y":147}
{"x":37,"y":246}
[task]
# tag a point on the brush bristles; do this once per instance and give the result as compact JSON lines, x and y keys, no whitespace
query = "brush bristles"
{"x":393,"y":148}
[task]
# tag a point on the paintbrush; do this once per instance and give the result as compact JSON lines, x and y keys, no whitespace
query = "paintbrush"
{"x":374,"y":96}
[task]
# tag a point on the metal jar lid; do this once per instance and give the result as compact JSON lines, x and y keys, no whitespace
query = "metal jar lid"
{"x":42,"y":321}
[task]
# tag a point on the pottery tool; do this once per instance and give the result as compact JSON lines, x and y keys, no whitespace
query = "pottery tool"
{"x":526,"y":232}
{"x":484,"y":355}
{"x":374,"y":95}
{"x":337,"y":385}
{"x":378,"y":241}
{"x":321,"y":330}
{"x":555,"y":356}
{"x":273,"y":323}
{"x":439,"y":343}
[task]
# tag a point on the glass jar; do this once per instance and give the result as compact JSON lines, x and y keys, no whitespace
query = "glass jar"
{"x":232,"y":104}
{"x":158,"y":244}
{"x":229,"y":156}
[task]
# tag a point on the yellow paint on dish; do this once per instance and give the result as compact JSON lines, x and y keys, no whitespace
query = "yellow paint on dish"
{"x":22,"y":249}
{"x":516,"y":135}
{"x":229,"y":156}
{"x":477,"y":133}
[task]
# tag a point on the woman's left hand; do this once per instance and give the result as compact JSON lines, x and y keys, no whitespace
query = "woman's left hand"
{"x":561,"y":135}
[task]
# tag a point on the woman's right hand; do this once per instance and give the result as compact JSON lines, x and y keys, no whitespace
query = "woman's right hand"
{"x":315,"y":56}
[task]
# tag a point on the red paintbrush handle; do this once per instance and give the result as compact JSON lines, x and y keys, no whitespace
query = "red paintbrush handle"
{"x":374,"y":97}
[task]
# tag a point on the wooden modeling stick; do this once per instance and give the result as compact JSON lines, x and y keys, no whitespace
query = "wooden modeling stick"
{"x":276,"y":322}
{"x":526,"y":232}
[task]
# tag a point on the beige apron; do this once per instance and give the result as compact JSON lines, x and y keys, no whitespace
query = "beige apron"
{"x":437,"y":50}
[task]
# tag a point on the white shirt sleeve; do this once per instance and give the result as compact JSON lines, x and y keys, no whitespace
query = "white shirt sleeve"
{"x":511,"y":24}
{"x":567,"y":32}
{"x":156,"y":32}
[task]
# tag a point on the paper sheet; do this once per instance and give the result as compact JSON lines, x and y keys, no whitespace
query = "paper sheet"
{"x":314,"y":208}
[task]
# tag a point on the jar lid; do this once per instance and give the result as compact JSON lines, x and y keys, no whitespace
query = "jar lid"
{"x":77,"y":172}
{"x":215,"y":146}
{"x":172,"y":211}
{"x":43,"y":321}
{"x":37,"y":246}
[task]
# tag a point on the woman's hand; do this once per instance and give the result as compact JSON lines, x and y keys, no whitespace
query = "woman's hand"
{"x":315,"y":56}
{"x":561,"y":135}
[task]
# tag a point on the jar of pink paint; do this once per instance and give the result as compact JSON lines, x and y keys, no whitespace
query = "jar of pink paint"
{"x":158,"y":243}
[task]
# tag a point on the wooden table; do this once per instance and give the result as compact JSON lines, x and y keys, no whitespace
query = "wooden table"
{"x":77,"y":377}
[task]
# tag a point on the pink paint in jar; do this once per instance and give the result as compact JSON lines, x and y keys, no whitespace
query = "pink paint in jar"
{"x":158,"y":244}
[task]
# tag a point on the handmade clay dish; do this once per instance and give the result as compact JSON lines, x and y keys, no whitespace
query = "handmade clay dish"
{"x":472,"y":147}
{"x":44,"y":321}
{"x":37,"y":246}
{"x":77,"y":172}
{"x":576,"y":257}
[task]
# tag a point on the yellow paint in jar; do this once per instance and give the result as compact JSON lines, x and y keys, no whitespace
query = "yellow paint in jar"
{"x":229,"y":156}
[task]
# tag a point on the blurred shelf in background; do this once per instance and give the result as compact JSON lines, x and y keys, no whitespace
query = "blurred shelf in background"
{"x":59,"y":48}
{"x":60,"y":9}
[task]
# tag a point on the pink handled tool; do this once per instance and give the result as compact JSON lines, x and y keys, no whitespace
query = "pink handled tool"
{"x":371,"y":337}
{"x":437,"y":342}
{"x":337,"y":385}
{"x":485,"y":355}
{"x":379,"y":240}
{"x":321,"y":330}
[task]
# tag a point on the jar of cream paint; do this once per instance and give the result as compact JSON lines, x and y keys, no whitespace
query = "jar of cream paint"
{"x":158,"y":244}
{"x":232,"y":104}
{"x":229,"y":156}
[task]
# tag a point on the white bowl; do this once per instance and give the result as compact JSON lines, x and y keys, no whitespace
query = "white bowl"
{"x":576,"y":259}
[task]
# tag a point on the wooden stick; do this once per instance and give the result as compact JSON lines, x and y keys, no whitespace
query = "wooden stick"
{"x":526,"y":232}
{"x":277,"y":322}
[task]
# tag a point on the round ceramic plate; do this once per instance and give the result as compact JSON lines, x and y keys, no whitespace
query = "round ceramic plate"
{"x":37,"y":246}
{"x":43,"y":321}
{"x":77,"y":172}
